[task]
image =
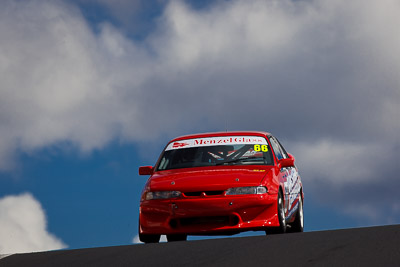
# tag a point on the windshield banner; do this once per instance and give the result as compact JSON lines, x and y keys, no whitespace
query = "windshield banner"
{"x":215,"y":141}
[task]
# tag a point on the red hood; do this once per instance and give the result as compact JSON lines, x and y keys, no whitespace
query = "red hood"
{"x":199,"y":179}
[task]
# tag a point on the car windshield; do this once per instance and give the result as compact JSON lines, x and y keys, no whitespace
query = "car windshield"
{"x":216,"y":151}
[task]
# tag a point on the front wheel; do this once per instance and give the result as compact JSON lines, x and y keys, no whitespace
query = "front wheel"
{"x":281,"y":216}
{"x":149,"y":238}
{"x":173,"y":238}
{"x":145,"y":238}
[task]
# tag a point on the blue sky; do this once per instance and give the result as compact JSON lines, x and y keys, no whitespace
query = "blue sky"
{"x":91,"y":90}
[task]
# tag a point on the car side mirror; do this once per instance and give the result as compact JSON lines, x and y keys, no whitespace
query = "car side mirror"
{"x":146,"y":170}
{"x":285,"y":163}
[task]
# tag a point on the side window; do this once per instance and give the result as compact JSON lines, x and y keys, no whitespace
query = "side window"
{"x":276,"y":148}
{"x":283,"y":150}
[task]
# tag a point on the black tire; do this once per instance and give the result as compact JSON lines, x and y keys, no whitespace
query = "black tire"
{"x":145,"y":238}
{"x":173,"y":238}
{"x":298,"y":224}
{"x":281,"y":216}
{"x":149,"y":238}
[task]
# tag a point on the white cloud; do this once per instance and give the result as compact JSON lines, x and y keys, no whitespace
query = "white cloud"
{"x":338,"y":162}
{"x":328,"y":67}
{"x":23,"y":226}
{"x":60,"y":81}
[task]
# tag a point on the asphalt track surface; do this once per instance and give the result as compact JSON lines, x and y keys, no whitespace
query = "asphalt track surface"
{"x":372,"y":246}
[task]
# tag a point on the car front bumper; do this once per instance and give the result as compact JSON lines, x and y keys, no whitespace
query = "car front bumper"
{"x":209,"y":215}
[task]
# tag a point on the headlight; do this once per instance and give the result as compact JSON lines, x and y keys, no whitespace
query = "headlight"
{"x":162,"y":195}
{"x":247,"y":190}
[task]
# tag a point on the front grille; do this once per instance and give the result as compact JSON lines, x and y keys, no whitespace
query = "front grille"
{"x":207,"y":193}
{"x":193,"y":194}
{"x":213,"y":193}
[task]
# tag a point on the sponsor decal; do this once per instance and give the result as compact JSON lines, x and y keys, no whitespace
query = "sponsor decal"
{"x":179,"y":145}
{"x":292,"y":210}
{"x":293,"y":185}
{"x":251,"y":153}
{"x":263,"y":148}
{"x":261,"y":142}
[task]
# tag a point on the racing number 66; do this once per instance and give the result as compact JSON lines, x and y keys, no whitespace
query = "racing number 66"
{"x":263,"y":148}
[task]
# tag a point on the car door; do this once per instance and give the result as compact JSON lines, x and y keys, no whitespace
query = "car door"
{"x":293,"y":183}
{"x":285,"y":174}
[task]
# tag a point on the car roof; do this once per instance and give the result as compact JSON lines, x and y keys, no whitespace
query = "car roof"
{"x":217,"y":134}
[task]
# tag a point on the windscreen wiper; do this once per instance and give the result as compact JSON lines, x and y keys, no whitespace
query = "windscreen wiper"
{"x":238,"y":160}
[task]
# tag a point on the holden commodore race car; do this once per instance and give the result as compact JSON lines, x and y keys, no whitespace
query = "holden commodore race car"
{"x":221,"y":183}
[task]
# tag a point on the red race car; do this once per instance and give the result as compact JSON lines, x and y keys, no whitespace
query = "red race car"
{"x":221,"y":183}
